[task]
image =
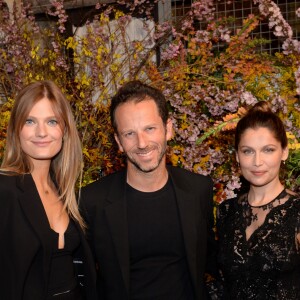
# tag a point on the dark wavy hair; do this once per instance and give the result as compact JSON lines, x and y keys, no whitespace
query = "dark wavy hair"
{"x":137,"y":91}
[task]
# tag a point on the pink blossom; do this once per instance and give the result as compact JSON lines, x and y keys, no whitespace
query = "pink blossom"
{"x":279,"y":104}
{"x":290,"y":46}
{"x":271,"y":10}
{"x":297,"y":77}
{"x":203,"y":10}
{"x":248,"y":98}
{"x":59,"y":11}
{"x":171,"y":52}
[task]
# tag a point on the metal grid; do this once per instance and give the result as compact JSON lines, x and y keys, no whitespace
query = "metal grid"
{"x":239,"y":10}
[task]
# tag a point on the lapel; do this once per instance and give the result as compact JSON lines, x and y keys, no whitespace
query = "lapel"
{"x":116,"y":214}
{"x":186,"y":201}
{"x":33,"y":210}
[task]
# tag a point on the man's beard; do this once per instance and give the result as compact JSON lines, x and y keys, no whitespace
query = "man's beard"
{"x":150,"y":169}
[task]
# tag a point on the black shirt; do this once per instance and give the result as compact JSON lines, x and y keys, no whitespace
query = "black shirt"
{"x":158,"y":266}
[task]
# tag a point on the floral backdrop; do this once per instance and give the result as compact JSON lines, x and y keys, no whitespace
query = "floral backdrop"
{"x":209,"y":74}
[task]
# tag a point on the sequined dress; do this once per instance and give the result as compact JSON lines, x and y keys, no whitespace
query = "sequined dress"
{"x":263,"y":263}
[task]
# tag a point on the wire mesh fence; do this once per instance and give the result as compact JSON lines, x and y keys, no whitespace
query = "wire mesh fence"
{"x":239,"y":10}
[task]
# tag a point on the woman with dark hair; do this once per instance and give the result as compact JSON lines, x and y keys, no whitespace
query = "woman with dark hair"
{"x":41,"y":230}
{"x":259,"y":232}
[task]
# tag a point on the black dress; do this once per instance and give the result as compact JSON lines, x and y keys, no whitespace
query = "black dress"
{"x":263,"y":264}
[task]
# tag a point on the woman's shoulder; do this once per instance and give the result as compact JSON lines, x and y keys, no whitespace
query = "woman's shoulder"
{"x":8,"y":191}
{"x":232,"y":202}
{"x":6,"y":172}
{"x":7,"y":179}
{"x":292,"y":194}
{"x":7,"y":175}
{"x":293,"y":200}
{"x":230,"y":206}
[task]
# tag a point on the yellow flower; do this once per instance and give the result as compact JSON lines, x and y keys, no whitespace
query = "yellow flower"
{"x":118,"y":14}
{"x":71,"y":43}
{"x":292,"y":141}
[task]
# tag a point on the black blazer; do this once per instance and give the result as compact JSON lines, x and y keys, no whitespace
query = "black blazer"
{"x":25,"y":252}
{"x":103,"y":206}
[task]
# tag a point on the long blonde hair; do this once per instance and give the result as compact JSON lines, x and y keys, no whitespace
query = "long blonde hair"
{"x":67,"y":164}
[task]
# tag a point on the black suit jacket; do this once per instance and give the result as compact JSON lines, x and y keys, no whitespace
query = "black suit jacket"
{"x":103,"y":206}
{"x":26,"y":244}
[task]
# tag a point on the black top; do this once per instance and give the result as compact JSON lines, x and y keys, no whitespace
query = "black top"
{"x":263,"y":263}
{"x":158,"y":267}
{"x":62,"y":275}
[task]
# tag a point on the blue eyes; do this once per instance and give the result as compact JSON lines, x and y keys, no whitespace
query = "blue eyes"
{"x":51,"y":122}
{"x":29,"y":122}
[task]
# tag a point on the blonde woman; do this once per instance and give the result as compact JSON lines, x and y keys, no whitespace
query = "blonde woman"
{"x":41,"y":230}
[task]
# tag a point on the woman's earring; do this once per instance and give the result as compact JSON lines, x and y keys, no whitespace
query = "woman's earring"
{"x":283,"y":161}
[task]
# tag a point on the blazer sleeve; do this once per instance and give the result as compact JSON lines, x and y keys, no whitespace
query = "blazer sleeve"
{"x":85,"y":213}
{"x":7,"y":199}
{"x":89,"y":201}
